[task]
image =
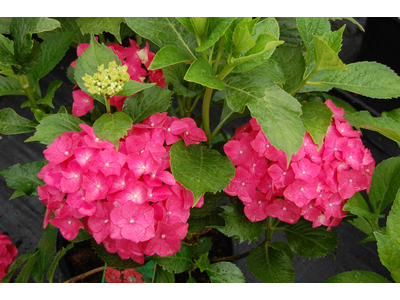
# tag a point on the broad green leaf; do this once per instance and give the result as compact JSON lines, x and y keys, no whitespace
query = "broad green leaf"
{"x":216,"y":30}
{"x":23,"y":276}
{"x":144,"y":104}
{"x":52,"y":126}
{"x":229,"y":32}
{"x":201,"y":72}
{"x":174,"y":75}
{"x":385,"y":126}
{"x":197,"y":225}
{"x":357,"y":277}
{"x":291,"y":61}
{"x":369,"y":79}
{"x":112,"y":127}
{"x":288,"y":30}
{"x":178,"y":262}
{"x":393,"y":219}
{"x":131,"y":87}
{"x":163,"y":276}
{"x":283,"y":246}
{"x":238,"y":226}
{"x":311,"y":242}
{"x":51,"y":90}
{"x":169,"y":55}
{"x":326,"y":57}
{"x":185,"y":21}
{"x":164,"y":31}
{"x":277,"y":112}
{"x":316,"y":119}
{"x":16,"y":194}
{"x":30,"y":61}
{"x":357,"y":206}
{"x":334,"y":39}
{"x":46,"y":252}
{"x":210,"y":203}
{"x":59,"y":255}
{"x":113,"y":260}
{"x":53,"y":50}
{"x":385,"y":184}
{"x":225,"y":272}
{"x":205,"y":244}
{"x":389,"y":254}
{"x":314,"y":85}
{"x":7,"y":51}
{"x":270,"y":69}
{"x":88,"y":63}
{"x":23,"y":177}
{"x":270,"y":265}
{"x":12,"y":123}
{"x":394,"y":114}
{"x":242,"y":39}
{"x":200,"y":169}
{"x":5,"y":25}
{"x":362,"y":224}
{"x":97,"y":25}
{"x":199,"y":26}
{"x":202,"y":262}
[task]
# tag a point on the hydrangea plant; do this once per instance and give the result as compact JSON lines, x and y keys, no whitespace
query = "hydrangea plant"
{"x":140,"y":166}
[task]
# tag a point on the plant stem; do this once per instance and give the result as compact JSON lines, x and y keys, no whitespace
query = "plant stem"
{"x":108,"y":107}
{"x":195,"y":102}
{"x":81,"y":276}
{"x":139,"y":39}
{"x":24,"y":83}
{"x":206,"y":113}
{"x":220,"y":50}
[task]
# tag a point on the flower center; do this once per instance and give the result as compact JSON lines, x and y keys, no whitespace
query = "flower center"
{"x":106,"y":164}
{"x":283,"y":208}
{"x":106,"y":221}
{"x":163,"y":236}
{"x":69,"y":222}
{"x":350,"y":180}
{"x":66,"y":153}
{"x":98,"y":186}
{"x":240,"y":152}
{"x":243,"y":183}
{"x":301,"y":189}
{"x":131,"y":221}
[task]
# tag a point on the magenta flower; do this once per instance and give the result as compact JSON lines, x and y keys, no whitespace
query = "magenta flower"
{"x":99,"y":223}
{"x":242,"y":185}
{"x":67,"y":220}
{"x":301,"y":192}
{"x":351,"y":182}
{"x":83,"y":103}
{"x":72,"y":177}
{"x":305,"y":170}
{"x":134,"y":192}
{"x":239,"y":152}
{"x":62,"y":148}
{"x":96,"y":186}
{"x":193,"y":134}
{"x":285,"y":211}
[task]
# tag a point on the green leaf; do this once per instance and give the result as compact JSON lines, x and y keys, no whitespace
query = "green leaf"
{"x":334,"y":39}
{"x":83,"y":235}
{"x":238,"y":226}
{"x":225,"y":272}
{"x":200,"y":169}
{"x":270,"y":265}
{"x":7,"y":51}
{"x":51,"y":90}
{"x":385,"y":126}
{"x":169,"y":55}
{"x":242,"y":39}
{"x":270,"y":69}
{"x":389,"y":254}
{"x":277,"y":112}
{"x":202,"y":262}
{"x":97,"y":25}
{"x":112,"y":127}
{"x":197,"y":225}
{"x":113,"y":260}
{"x":362,"y":224}
{"x":311,"y":242}
{"x":23,"y":276}
{"x":316,"y":119}
{"x":52,"y":126}
{"x":205,"y":244}
{"x":385,"y":184}
{"x":24,"y":177}
{"x":59,"y":255}
{"x":351,"y":20}
{"x":15,"y":265}
{"x":178,"y":262}
{"x":210,"y":203}
{"x":132,"y":87}
{"x":147,"y":271}
{"x":357,"y":206}
{"x":339,"y":103}
{"x":357,"y":277}
{"x":201,"y":72}
{"x":217,"y":28}
{"x":291,"y":61}
{"x":46,"y":252}
{"x":393,"y":219}
{"x":288,"y":30}
{"x":5,"y":25}
{"x":163,"y":276}
{"x":369,"y":79}
{"x":12,"y":123}
{"x":326,"y":57}
{"x":144,"y":104}
{"x":283,"y":246}
{"x":174,"y":75}
{"x":164,"y":31}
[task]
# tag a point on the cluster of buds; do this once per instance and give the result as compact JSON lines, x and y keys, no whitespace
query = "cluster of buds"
{"x":107,"y":81}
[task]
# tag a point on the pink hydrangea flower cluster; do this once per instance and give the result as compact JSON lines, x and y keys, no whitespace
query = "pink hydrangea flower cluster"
{"x":317,"y":183}
{"x":8,"y":253}
{"x":127,"y":199}
{"x":132,"y":56}
{"x":129,"y":276}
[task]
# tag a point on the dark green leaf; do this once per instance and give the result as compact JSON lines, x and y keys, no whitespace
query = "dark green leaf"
{"x":205,"y":244}
{"x":12,"y":123}
{"x":83,"y":235}
{"x":147,"y":271}
{"x":288,"y":30}
{"x":283,"y":246}
{"x":163,"y":276}
{"x":197,"y":225}
{"x":202,"y":262}
{"x":174,"y":75}
{"x":23,"y":276}
{"x":113,"y":260}
{"x":59,"y":255}
{"x":393,"y":219}
{"x":7,"y":51}
{"x":357,"y":277}
{"x":202,"y":72}
{"x":225,"y":272}
{"x":270,"y":69}
{"x":51,"y":90}
{"x":200,"y":169}
{"x":210,"y":203}
{"x":357,"y":206}
{"x":5,"y":25}
{"x":97,"y":25}
{"x":339,"y":103}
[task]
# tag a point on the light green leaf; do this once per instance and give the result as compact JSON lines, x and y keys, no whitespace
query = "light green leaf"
{"x":174,"y":75}
{"x":357,"y":277}
{"x":316,"y":119}
{"x":131,"y":87}
{"x":164,"y":31}
{"x":334,"y":39}
{"x":270,"y":265}
{"x":200,"y":169}
{"x":311,"y":242}
{"x":52,"y":126}
{"x":51,"y":90}
{"x":238,"y":226}
{"x":369,"y":79}
{"x":277,"y":112}
{"x":389,"y":254}
{"x":97,"y":25}
{"x":144,"y":104}
{"x":225,"y":272}
{"x":242,"y":39}
{"x":112,"y":127}
{"x":362,"y":224}
{"x":169,"y":55}
{"x":393,"y":219}
{"x":326,"y":57}
{"x":201,"y":72}
{"x":23,"y":177}
{"x":217,"y":28}
{"x":12,"y":123}
{"x":357,"y":206}
{"x":270,"y":69}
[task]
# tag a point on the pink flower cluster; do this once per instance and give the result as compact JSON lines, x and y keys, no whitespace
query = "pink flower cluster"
{"x":317,"y":183}
{"x":129,"y":276}
{"x":8,"y":253}
{"x":127,"y":199}
{"x":134,"y":58}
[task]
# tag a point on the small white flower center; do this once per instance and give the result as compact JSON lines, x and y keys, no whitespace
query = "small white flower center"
{"x":66,"y":153}
{"x":284,"y":173}
{"x":163,"y":236}
{"x":243,"y":183}
{"x":69,"y":222}
{"x":98,"y":186}
{"x":254,"y":165}
{"x":169,"y":212}
{"x":304,"y":172}
{"x":106,"y":221}
{"x":302,"y":189}
{"x":267,"y":146}
{"x":131,"y":221}
{"x":240,"y":152}
{"x":169,"y":129}
{"x":334,"y":149}
{"x":153,"y":175}
{"x":87,"y":158}
{"x":96,"y":140}
{"x":350,"y":157}
{"x":259,"y":202}
{"x":123,"y":183}
{"x":150,"y":195}
{"x":283,"y":208}
{"x":106,"y":164}
{"x":152,"y":124}
{"x":330,"y":204}
{"x":310,"y":206}
{"x":350,"y":180}
{"x":134,"y":196}
{"x":76,"y":176}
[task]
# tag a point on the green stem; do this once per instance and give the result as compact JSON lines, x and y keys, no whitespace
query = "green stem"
{"x":306,"y":80}
{"x":154,"y":273}
{"x":206,"y":113}
{"x":181,"y":106}
{"x":108,"y":106}
{"x":219,"y":126}
{"x":139,"y":39}
{"x":220,"y":50}
{"x":225,"y":71}
{"x":24,"y":83}
{"x":104,"y":272}
{"x":195,"y":102}
{"x":314,"y":83}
